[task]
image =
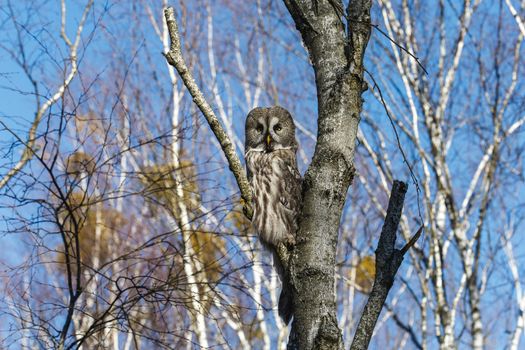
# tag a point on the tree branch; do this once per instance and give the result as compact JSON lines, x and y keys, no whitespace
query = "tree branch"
{"x":174,"y":58}
{"x":388,"y":260}
{"x":29,"y":146}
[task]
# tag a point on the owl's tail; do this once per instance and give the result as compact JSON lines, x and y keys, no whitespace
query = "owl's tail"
{"x":285,"y":299}
{"x":285,"y":304}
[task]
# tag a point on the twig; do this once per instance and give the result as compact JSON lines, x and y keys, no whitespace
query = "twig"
{"x":29,"y":146}
{"x":388,"y":260}
{"x":376,"y":26}
{"x":412,"y":174}
{"x":174,"y":58}
{"x":412,"y":241}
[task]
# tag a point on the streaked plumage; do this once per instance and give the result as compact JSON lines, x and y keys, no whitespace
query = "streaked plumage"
{"x":276,"y":183}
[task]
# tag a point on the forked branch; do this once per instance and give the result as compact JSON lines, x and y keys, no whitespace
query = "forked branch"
{"x":30,"y":144}
{"x":174,"y":58}
{"x":388,"y":260}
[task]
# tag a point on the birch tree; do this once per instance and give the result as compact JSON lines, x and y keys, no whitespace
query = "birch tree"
{"x":471,"y":81}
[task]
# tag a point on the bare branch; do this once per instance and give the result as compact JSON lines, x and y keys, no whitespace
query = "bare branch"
{"x":519,"y":21}
{"x":401,"y":47}
{"x":29,"y":151}
{"x":174,"y":57}
{"x":388,"y":260}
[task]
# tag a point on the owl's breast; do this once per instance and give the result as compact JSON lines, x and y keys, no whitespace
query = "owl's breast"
{"x":271,"y":175}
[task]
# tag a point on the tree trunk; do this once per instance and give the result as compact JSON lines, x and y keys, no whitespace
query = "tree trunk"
{"x":337,"y":62}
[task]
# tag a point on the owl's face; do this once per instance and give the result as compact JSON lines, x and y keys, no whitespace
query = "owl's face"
{"x":270,"y":129}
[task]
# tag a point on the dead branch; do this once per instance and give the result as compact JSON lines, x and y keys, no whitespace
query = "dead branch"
{"x":388,"y":260}
{"x":174,"y":58}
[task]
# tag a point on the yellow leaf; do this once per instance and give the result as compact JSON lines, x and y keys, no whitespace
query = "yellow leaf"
{"x":365,"y":272}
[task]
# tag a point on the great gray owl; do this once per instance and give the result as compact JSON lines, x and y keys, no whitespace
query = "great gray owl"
{"x":276,"y":184}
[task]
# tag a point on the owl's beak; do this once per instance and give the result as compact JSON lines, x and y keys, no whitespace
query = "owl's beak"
{"x":268,"y":140}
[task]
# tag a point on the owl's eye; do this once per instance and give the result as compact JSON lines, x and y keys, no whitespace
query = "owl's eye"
{"x":259,"y":128}
{"x":277,"y":127}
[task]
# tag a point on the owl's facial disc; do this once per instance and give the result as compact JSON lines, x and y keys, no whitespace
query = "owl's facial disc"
{"x":270,"y":129}
{"x":280,"y":133}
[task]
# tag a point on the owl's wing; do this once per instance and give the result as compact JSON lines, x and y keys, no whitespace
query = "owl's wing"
{"x":248,"y":172}
{"x":290,"y":186}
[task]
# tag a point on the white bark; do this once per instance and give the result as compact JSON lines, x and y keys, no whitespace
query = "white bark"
{"x":29,"y":146}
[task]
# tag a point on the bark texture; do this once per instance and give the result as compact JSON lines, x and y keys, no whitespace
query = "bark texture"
{"x":388,"y":260}
{"x":337,"y":59}
{"x":175,"y":58}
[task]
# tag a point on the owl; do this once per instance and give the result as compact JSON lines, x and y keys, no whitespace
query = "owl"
{"x":270,"y":153}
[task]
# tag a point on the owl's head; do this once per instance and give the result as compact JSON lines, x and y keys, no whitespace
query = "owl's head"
{"x":269,"y":129}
